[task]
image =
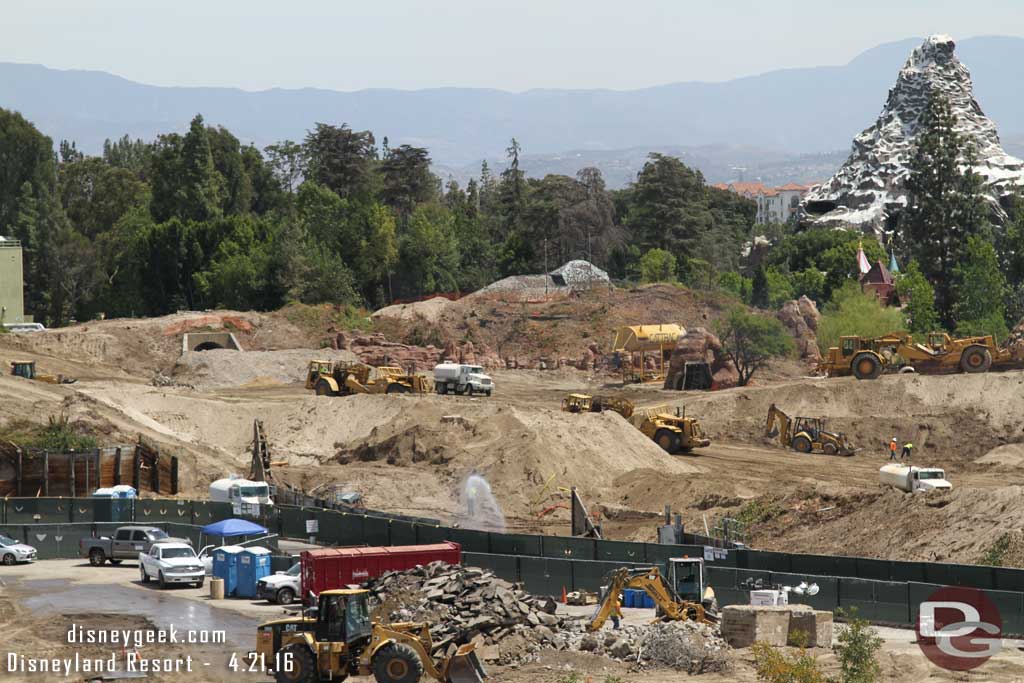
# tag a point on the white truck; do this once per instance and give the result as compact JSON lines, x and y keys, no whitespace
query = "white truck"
{"x":913,"y":479}
{"x":281,"y":587}
{"x":458,"y":378}
{"x":170,"y":563}
{"x":244,"y":495}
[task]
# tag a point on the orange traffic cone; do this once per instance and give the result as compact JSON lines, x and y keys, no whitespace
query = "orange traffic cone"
{"x":565,"y":597}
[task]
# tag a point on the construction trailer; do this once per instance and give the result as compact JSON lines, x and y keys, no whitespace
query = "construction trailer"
{"x":633,"y":345}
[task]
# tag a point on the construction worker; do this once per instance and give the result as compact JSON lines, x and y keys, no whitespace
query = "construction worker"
{"x":907,"y":447}
{"x":892,"y":448}
{"x":616,"y":614}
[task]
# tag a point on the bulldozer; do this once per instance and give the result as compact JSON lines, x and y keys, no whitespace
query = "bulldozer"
{"x":337,"y":639}
{"x":329,"y":378}
{"x":585,"y":403}
{"x":27,"y":369}
{"x":673,"y":431}
{"x":869,"y":357}
{"x":805,"y":434}
{"x":681,"y":596}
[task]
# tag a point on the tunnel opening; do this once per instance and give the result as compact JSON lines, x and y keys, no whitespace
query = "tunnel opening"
{"x":208,"y":346}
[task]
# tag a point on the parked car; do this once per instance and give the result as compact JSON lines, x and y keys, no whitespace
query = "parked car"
{"x":13,"y":551}
{"x":280,"y":587}
{"x":127,"y":543}
{"x":171,"y":563}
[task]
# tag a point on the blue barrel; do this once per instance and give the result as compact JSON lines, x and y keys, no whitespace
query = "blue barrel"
{"x":253,"y":565}
{"x":225,"y":566}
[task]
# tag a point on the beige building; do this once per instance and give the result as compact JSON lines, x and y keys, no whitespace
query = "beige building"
{"x":774,"y":204}
{"x":12,"y":283}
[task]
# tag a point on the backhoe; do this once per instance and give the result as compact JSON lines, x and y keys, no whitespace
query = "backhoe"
{"x":805,"y":434}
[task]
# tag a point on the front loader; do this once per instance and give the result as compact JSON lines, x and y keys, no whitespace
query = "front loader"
{"x":805,"y":434}
{"x":340,"y":641}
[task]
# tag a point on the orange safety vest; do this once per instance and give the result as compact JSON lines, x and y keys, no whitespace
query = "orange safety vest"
{"x":892,"y":446}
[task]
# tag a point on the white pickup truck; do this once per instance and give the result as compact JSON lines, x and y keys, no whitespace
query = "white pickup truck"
{"x":457,"y":378}
{"x":280,"y":587}
{"x":913,"y":479}
{"x":172,"y":563}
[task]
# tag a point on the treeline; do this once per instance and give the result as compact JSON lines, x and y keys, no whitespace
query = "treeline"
{"x":199,"y":220}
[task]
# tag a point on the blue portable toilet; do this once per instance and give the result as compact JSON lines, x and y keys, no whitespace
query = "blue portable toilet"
{"x":225,"y":566}
{"x":253,"y":565}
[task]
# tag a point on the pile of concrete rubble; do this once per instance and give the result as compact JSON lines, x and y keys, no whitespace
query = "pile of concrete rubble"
{"x":510,"y":626}
{"x":467,"y":604}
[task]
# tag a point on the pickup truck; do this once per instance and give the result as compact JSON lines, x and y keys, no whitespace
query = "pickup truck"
{"x":127,"y":543}
{"x":280,"y":587}
{"x":172,"y":563}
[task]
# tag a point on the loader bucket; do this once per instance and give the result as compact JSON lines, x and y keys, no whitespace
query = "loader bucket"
{"x":465,"y":667}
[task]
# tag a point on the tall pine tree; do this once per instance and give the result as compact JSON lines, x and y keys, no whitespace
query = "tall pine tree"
{"x":945,"y":205}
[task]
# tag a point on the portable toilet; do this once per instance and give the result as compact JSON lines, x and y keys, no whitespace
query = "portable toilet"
{"x":225,"y":566}
{"x":253,"y":565}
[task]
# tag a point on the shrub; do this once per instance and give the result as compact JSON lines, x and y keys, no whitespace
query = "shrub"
{"x":775,"y":666}
{"x":657,"y":265}
{"x":857,"y":649}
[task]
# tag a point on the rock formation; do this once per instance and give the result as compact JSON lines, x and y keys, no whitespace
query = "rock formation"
{"x":801,"y":318}
{"x":699,"y":345}
{"x":868,"y":191}
{"x":376,"y":349}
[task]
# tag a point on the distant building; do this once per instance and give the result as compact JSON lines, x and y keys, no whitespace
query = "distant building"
{"x":774,"y":204}
{"x":879,"y":281}
{"x":12,"y":287}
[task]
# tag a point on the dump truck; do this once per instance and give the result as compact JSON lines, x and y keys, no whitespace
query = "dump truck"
{"x":342,"y":378}
{"x":681,"y":596}
{"x":27,"y":370}
{"x":913,"y":479}
{"x":585,"y":403}
{"x":805,"y":434}
{"x":869,"y":357}
{"x":337,"y":639}
{"x":458,"y":378}
{"x":672,"y":430}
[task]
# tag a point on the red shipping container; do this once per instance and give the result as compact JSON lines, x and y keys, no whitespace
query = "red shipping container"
{"x":330,"y":568}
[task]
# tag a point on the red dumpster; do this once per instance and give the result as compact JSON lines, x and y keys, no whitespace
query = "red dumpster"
{"x":339,"y":567}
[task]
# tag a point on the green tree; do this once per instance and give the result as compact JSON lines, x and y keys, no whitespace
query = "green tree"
{"x":809,"y":282}
{"x":407,"y":180}
{"x":668,"y":208}
{"x":780,"y":288}
{"x":945,"y":204}
{"x":657,"y":265}
{"x":341,"y":159}
{"x":918,"y":298}
{"x":288,"y":161}
{"x":750,"y":340}
{"x":980,"y":289}
{"x":429,"y":254}
{"x":735,"y":284}
{"x":852,"y":312}
{"x":759,"y":294}
{"x":202,"y":186}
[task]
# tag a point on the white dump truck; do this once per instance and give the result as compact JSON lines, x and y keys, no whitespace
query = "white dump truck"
{"x":907,"y":478}
{"x":458,"y":378}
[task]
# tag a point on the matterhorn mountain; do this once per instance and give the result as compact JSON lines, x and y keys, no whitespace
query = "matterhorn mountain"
{"x":868,"y":192}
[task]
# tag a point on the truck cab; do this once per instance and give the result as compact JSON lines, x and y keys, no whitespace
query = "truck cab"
{"x":686,"y":576}
{"x":914,"y":479}
{"x":243,"y":494}
{"x":459,"y":378}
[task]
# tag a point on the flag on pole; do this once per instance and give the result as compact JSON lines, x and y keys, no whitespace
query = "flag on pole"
{"x":862,"y":260}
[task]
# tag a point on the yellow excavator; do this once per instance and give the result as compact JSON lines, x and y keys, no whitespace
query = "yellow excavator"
{"x":340,"y":640}
{"x":869,"y":357}
{"x":27,"y":369}
{"x":329,"y":378}
{"x":680,"y":597}
{"x":805,"y":434}
{"x":585,"y":403}
{"x":672,"y":430}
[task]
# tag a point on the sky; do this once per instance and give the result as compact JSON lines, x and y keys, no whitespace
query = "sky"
{"x":506,"y":44}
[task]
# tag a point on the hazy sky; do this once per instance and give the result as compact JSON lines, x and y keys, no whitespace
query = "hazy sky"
{"x":507,"y":44}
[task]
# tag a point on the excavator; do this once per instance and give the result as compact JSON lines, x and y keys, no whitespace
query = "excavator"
{"x":681,"y":596}
{"x":337,"y":639}
{"x":27,"y":369}
{"x":328,"y":378}
{"x":805,"y":434}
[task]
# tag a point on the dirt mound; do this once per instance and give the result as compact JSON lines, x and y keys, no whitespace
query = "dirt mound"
{"x":429,"y":310}
{"x":223,"y":368}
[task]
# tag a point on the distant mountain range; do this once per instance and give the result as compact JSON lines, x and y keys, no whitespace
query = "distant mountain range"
{"x":792,"y":124}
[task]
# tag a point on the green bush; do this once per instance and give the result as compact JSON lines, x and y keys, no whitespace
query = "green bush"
{"x":775,"y":666}
{"x":851,"y":312}
{"x":657,"y":265}
{"x":857,"y":649}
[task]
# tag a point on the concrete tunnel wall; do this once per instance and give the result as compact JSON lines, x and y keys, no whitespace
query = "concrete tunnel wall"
{"x":205,"y":341}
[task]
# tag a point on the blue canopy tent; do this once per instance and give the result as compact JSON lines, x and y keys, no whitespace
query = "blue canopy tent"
{"x":234,"y":527}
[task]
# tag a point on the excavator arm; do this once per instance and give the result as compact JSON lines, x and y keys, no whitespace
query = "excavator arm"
{"x":779,"y":418}
{"x":649,"y":580}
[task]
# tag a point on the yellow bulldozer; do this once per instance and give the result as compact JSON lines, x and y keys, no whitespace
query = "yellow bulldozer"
{"x":329,"y":378}
{"x":805,"y":434}
{"x":341,"y":640}
{"x":585,"y":403}
{"x":673,"y":431}
{"x":681,"y":596}
{"x":869,"y":357}
{"x":27,"y":369}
